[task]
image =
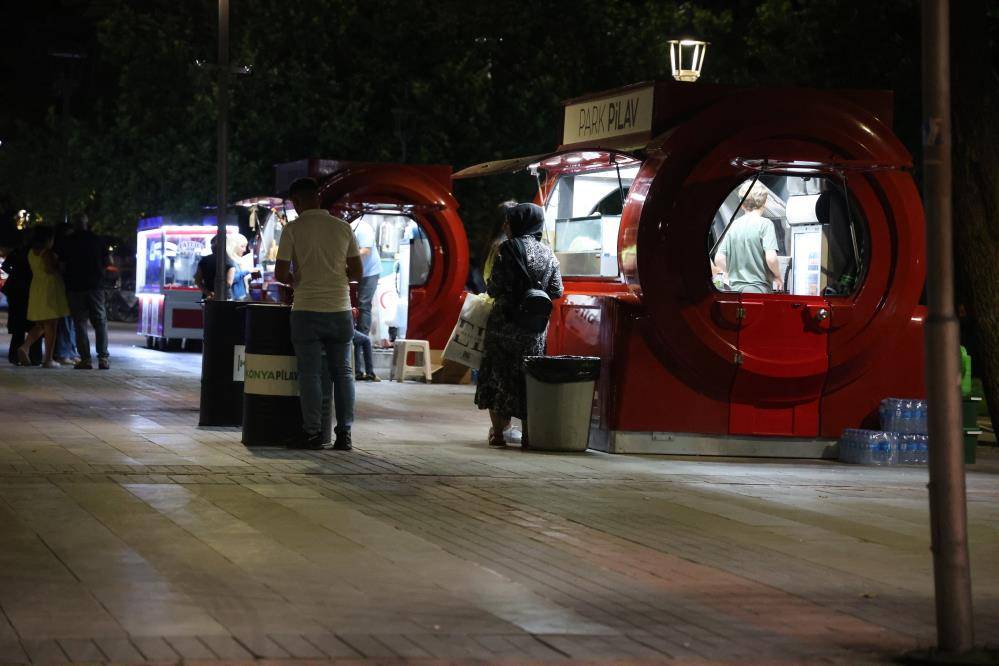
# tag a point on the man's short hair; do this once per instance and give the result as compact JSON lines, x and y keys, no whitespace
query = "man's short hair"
{"x":303,"y":186}
{"x":757,"y":197}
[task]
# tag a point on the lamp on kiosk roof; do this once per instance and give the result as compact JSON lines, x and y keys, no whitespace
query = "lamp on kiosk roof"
{"x":686,"y":57}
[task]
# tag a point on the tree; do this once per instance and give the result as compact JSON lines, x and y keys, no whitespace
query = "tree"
{"x":975,"y":100}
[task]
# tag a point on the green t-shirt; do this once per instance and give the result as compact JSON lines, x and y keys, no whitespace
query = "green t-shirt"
{"x":744,"y":247}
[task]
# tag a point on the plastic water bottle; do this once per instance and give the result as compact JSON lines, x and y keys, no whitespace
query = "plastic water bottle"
{"x":909,"y":450}
{"x":923,"y":454}
{"x":896,"y":425}
{"x":923,"y":417}
{"x":880,"y":452}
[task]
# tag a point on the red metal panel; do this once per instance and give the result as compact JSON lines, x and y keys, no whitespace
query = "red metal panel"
{"x":784,"y":358}
{"x":183,"y":318}
{"x":434,"y":307}
{"x":897,"y":372}
{"x":651,"y":392}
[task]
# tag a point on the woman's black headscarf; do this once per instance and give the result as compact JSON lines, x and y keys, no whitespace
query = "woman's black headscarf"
{"x":526,"y":219}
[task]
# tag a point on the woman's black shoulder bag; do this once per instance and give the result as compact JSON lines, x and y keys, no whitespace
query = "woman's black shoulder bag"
{"x":535,"y":307}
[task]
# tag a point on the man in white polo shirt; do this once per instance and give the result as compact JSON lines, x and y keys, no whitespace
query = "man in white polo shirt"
{"x":319,"y":258}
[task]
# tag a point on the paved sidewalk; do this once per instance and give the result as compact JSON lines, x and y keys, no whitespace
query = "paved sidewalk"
{"x":128,"y":534}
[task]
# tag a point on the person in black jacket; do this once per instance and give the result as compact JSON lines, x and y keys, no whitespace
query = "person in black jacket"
{"x":85,"y":257}
{"x":16,"y":289}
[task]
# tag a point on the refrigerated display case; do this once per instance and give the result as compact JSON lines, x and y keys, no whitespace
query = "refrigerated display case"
{"x":167,"y":254}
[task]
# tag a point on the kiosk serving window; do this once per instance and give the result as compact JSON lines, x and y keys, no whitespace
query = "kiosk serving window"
{"x":393,"y":233}
{"x":792,"y":234}
{"x":406,"y":260}
{"x":582,"y":218}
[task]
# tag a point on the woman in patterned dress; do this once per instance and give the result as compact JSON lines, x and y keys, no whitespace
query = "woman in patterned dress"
{"x":501,"y":388}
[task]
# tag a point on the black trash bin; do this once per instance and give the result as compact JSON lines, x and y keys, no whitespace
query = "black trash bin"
{"x":271,"y":409}
{"x":559,"y":401}
{"x":221,"y":364}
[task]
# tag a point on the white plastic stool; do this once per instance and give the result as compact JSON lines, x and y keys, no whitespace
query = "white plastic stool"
{"x":400,"y":355}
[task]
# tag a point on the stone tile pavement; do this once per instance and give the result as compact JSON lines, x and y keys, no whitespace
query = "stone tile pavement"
{"x":128,"y":534}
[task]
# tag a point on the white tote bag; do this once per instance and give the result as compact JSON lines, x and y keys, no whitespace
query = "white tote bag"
{"x":469,"y":334}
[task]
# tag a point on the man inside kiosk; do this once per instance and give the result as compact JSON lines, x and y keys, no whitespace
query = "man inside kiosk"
{"x":794,"y":234}
{"x":747,"y":255}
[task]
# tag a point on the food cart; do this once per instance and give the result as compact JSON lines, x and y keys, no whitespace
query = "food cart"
{"x":647,"y":182}
{"x":420,"y":237}
{"x":167,"y":253}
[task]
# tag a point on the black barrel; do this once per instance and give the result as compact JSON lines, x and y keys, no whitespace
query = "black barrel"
{"x":221,"y":364}
{"x":271,"y":410}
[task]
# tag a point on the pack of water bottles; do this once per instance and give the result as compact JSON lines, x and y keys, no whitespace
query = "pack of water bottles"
{"x":877,"y":447}
{"x":903,"y":415}
{"x":901,"y":441}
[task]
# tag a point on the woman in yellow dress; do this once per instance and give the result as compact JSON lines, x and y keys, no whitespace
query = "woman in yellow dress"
{"x":47,"y":302}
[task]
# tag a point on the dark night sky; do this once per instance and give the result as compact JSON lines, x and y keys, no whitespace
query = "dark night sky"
{"x":28,"y":33}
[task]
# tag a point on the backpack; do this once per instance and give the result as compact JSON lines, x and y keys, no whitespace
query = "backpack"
{"x":535,"y":307}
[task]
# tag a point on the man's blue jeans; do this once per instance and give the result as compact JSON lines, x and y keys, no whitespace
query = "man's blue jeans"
{"x":366,"y":289}
{"x":65,"y":346}
{"x":311,"y":334}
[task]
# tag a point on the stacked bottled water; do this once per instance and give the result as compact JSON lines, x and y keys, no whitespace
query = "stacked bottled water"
{"x":903,"y":440}
{"x":904,"y":416}
{"x":868,"y":447}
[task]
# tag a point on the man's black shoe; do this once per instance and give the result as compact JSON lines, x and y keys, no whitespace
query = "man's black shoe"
{"x":342,"y":442}
{"x":304,"y":440}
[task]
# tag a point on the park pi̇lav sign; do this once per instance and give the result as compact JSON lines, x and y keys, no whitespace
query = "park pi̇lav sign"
{"x":620,"y":115}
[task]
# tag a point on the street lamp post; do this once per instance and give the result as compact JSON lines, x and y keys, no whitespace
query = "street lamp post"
{"x":65,"y":86}
{"x":948,"y":502}
{"x":223,"y":150}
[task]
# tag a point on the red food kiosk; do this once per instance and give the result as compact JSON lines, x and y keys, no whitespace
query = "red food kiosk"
{"x":648,"y":181}
{"x":420,"y":237}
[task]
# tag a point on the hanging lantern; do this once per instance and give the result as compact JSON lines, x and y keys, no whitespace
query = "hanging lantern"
{"x":686,"y":57}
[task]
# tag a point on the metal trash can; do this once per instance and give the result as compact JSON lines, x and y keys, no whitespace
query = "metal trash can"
{"x":559,"y":401}
{"x":271,"y":409}
{"x":222,"y":364}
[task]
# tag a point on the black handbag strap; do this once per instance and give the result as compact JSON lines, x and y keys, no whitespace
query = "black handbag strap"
{"x":519,"y":258}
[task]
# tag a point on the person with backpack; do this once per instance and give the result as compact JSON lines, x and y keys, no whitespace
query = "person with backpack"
{"x":524,"y":280}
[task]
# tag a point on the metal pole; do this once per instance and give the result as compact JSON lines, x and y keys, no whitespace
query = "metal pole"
{"x":223,"y":149}
{"x":948,"y":509}
{"x":64,"y":162}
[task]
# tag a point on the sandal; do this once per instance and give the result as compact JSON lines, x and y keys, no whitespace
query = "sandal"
{"x":496,"y":439}
{"x":23,"y":357}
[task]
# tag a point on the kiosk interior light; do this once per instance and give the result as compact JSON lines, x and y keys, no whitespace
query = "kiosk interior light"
{"x":686,"y":58}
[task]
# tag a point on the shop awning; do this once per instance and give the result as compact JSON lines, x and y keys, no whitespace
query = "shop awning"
{"x":362,"y":207}
{"x":496,"y":167}
{"x":562,"y":158}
